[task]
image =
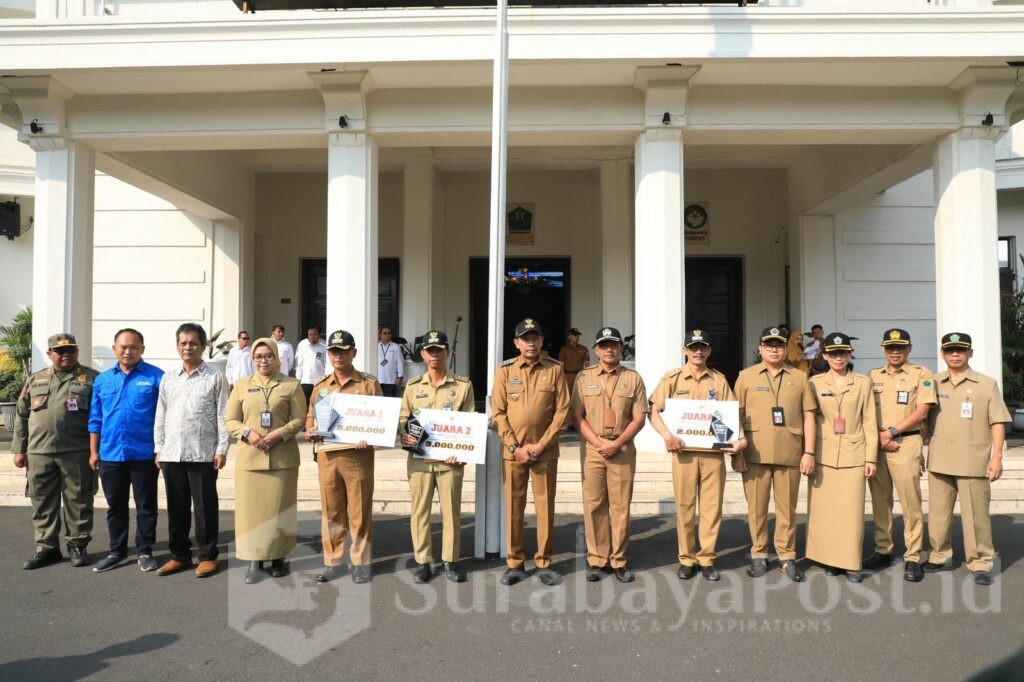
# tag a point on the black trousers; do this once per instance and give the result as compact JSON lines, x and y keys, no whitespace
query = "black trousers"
{"x":140,"y":479}
{"x":389,"y":390}
{"x":307,"y":390}
{"x":191,"y":486}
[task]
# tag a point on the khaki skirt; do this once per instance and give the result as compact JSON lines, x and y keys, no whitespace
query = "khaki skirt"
{"x":265,"y":514}
{"x":835,"y":516}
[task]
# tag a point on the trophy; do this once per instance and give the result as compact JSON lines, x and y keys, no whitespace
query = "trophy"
{"x":415,"y":429}
{"x":326,"y":418}
{"x":721,"y":431}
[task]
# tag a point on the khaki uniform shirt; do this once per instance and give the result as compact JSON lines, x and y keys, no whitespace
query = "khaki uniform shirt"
{"x":758,"y":392}
{"x":454,"y":393}
{"x":962,"y":445}
{"x":856,"y":404}
{"x":898,"y":394}
{"x":683,"y":384}
{"x":360,"y":383}
{"x":53,"y":412}
{"x":573,"y":358}
{"x":529,"y":404}
{"x":620,"y":390}
{"x":249,"y":398}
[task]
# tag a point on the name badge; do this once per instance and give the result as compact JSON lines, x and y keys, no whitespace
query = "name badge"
{"x":778,"y":416}
{"x":72,"y":404}
{"x":421,"y":394}
{"x":762,"y":388}
{"x":839,"y":425}
{"x":967,"y":409}
{"x":902,"y":397}
{"x":265,"y":418}
{"x":384,"y":362}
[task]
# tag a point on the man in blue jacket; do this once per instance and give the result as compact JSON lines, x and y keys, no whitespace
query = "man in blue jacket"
{"x":121,"y":416}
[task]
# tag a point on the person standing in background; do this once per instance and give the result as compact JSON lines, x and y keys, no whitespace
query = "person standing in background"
{"x":239,"y":363}
{"x":389,"y":363}
{"x":284,"y":349}
{"x":310,"y":361}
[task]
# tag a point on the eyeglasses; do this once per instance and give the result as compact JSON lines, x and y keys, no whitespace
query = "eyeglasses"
{"x":64,"y":350}
{"x":773,"y":347}
{"x":263,"y":358}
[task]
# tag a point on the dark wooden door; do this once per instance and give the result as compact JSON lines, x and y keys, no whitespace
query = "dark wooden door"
{"x":314,"y":294}
{"x":714,"y":303}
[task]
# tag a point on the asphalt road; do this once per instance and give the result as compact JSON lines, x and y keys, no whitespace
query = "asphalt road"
{"x":62,"y":623}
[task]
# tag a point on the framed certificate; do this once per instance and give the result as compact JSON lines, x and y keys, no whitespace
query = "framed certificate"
{"x":361,"y":417}
{"x":702,"y":424}
{"x":448,"y":432}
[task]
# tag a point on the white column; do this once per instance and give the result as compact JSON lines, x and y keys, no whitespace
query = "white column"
{"x":616,"y":246}
{"x":352,"y":240}
{"x":417,"y":247}
{"x":815,"y":272}
{"x":966,"y":233}
{"x":62,"y":248}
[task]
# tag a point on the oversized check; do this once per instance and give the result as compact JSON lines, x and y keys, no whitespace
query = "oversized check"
{"x":363,"y":417}
{"x":449,"y":432}
{"x":702,"y":424}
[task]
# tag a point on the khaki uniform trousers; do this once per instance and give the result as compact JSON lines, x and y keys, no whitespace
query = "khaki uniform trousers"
{"x":975,"y":495}
{"x":698,"y":479}
{"x":758,"y":482}
{"x":424,"y":477}
{"x":901,"y":469}
{"x":55,"y":478}
{"x":346,"y":500}
{"x":516,"y":476}
{"x":607,"y":494}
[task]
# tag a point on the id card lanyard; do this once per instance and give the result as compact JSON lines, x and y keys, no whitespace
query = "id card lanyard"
{"x":609,"y":414}
{"x":839,"y":421}
{"x":778,"y":416}
{"x":384,"y":351}
{"x":266,"y":417}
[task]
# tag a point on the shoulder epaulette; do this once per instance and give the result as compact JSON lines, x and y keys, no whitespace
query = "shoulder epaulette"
{"x":508,"y":362}
{"x":369,"y":376}
{"x":459,"y":377}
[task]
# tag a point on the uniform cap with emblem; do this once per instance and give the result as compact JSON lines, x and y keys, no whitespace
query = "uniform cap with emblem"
{"x":434,"y":339}
{"x":896,"y":337}
{"x":956,"y":340}
{"x":528,"y":325}
{"x":574,"y":331}
{"x":696,"y":337}
{"x":773,"y":334}
{"x":61,"y":340}
{"x":341,"y":339}
{"x":837,"y":341}
{"x":608,"y":334}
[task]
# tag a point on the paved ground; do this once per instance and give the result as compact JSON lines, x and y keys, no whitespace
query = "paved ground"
{"x":61,"y":623}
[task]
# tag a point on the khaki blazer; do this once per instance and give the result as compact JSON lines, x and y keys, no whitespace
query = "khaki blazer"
{"x":855,"y":403}
{"x":249,"y":397}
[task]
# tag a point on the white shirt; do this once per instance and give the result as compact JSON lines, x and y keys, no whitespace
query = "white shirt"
{"x":286,"y":352}
{"x":389,"y":363}
{"x":812,"y":349}
{"x":310,"y":361}
{"x":239,"y":364}
{"x":189,"y":424}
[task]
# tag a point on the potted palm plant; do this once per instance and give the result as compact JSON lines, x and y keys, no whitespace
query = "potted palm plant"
{"x":15,"y":363}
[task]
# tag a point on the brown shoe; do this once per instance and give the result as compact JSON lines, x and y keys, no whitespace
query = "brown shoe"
{"x":206,"y":568}
{"x":173,"y":566}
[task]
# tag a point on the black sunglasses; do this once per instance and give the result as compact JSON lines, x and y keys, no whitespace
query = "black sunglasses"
{"x":64,"y":350}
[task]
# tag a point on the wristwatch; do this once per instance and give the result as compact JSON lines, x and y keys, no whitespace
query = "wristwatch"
{"x":245,"y":433}
{"x":894,"y":432}
{"x":512,"y":448}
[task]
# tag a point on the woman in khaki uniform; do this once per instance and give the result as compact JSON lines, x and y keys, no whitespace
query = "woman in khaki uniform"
{"x":844,"y":458}
{"x":264,"y":413}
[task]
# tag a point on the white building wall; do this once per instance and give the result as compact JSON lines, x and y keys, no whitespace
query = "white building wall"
{"x":17,"y":181}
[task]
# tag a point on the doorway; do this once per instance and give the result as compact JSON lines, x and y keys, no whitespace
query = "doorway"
{"x":314,"y":295}
{"x":714,"y":303}
{"x":534,"y":287}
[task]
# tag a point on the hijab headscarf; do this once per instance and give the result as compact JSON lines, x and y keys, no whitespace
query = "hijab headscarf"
{"x":794,"y":353}
{"x":276,"y":364}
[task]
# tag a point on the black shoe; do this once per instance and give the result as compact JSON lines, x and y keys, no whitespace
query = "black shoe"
{"x":453,"y":572}
{"x":686,"y":572}
{"x":758,"y":567}
{"x":855,"y":576}
{"x":912,"y":572}
{"x":549,"y":577}
{"x":40,"y":559}
{"x":929,"y":567}
{"x":877,"y":560}
{"x":511,"y":576}
{"x":982,"y":578}
{"x":421,"y":574}
{"x":79,"y":557}
{"x":277,"y":569}
{"x":253,"y":573}
{"x":832,"y":571}
{"x":710,"y":573}
{"x":330,"y":573}
{"x":623,"y":574}
{"x":792,"y":571}
{"x":108,"y":562}
{"x":362,"y":574}
{"x":594,"y":573}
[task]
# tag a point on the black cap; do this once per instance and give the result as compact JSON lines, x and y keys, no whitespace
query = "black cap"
{"x":956,"y":340}
{"x":696,"y":337}
{"x":341,"y":339}
{"x":773,"y":334}
{"x":574,"y":331}
{"x":528,"y":325}
{"x":607,"y":334}
{"x":895,"y":337}
{"x":434,"y":339}
{"x":837,"y":341}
